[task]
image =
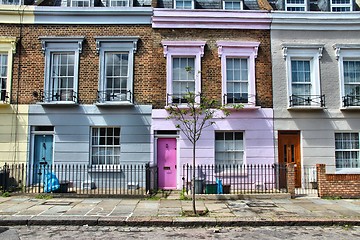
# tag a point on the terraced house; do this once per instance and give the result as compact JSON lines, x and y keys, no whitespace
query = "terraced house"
{"x":315,"y":64}
{"x":73,"y":81}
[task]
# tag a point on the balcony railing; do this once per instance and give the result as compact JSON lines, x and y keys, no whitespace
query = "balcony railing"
{"x":176,"y":98}
{"x":62,"y":95}
{"x":114,"y":96}
{"x":235,"y":98}
{"x":351,"y":100}
{"x":307,"y":100}
{"x":4,"y":96}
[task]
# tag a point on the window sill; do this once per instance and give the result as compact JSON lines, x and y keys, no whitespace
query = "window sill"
{"x":4,"y":104}
{"x":347,"y":171}
{"x":114,"y":103}
{"x":306,"y":108}
{"x":245,"y":107}
{"x":350,"y":108}
{"x":58,"y":103}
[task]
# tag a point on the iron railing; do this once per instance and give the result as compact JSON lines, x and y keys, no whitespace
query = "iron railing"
{"x":114,"y":96}
{"x":351,"y":100}
{"x":176,"y":98}
{"x":307,"y":100}
{"x":236,"y":179}
{"x":4,"y":96}
{"x":309,"y":184}
{"x":60,"y":95}
{"x":79,"y":179}
{"x":235,"y":98}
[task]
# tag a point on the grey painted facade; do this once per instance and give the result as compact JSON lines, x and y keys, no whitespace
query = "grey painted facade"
{"x":72,"y":130}
{"x":317,"y":126}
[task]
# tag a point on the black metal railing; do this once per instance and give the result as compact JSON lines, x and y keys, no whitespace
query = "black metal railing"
{"x":79,"y":179}
{"x":235,"y":98}
{"x":176,"y":98}
{"x":307,"y":100}
{"x":351,"y":100}
{"x":115,"y":96}
{"x":60,"y":95}
{"x":4,"y":96}
{"x":235,"y":179}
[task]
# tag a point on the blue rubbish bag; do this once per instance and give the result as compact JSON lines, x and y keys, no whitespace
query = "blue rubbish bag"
{"x":219,"y":186}
{"x":51,"y":183}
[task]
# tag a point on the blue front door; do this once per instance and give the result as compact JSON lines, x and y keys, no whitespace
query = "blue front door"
{"x":43,"y":156}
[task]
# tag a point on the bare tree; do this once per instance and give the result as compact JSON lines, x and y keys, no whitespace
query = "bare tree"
{"x":192,"y":117}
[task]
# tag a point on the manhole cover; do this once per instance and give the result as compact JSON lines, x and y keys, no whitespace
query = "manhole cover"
{"x":57,"y":203}
{"x":261,"y":204}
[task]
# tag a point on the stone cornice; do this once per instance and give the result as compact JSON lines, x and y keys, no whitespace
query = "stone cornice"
{"x":323,"y":21}
{"x":210,"y":19}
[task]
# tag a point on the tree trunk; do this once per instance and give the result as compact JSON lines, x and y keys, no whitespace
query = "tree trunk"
{"x":193,"y":179}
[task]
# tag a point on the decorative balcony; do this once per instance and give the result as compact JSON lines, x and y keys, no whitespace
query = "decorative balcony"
{"x":66,"y":96}
{"x":4,"y":97}
{"x":176,"y":99}
{"x":351,"y":101}
{"x":235,"y":98}
{"x":307,"y":101}
{"x":115,"y":97}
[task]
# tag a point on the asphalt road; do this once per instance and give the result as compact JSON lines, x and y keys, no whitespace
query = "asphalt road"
{"x":98,"y":232}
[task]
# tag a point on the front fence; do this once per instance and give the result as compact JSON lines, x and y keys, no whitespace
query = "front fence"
{"x":236,"y":179}
{"x":79,"y":179}
{"x":309,"y":184}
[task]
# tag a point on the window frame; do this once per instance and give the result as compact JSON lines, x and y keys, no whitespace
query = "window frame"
{"x":233,"y":151}
{"x":126,"y":5}
{"x":296,"y":5}
{"x":182,"y":8}
{"x":347,"y":169}
{"x":72,"y":3}
{"x":117,"y":44}
{"x":113,"y":146}
{"x":190,"y":49}
{"x":345,"y":52}
{"x":8,"y":47}
{"x":341,"y":5}
{"x":247,"y":50}
{"x":53,"y":45}
{"x":232,"y":1}
{"x":312,"y":53}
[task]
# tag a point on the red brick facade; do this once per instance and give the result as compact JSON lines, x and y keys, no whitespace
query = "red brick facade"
{"x":149,"y":65}
{"x":337,"y":185}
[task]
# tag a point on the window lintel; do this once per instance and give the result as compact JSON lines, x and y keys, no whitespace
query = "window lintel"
{"x":316,"y":47}
{"x":200,"y":45}
{"x":11,"y":41}
{"x":62,"y":40}
{"x":237,"y":45}
{"x":339,"y":47}
{"x":118,"y":40}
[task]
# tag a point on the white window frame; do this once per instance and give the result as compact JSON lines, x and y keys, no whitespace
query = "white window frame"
{"x":296,"y":5}
{"x":127,"y":3}
{"x":8,"y":48}
{"x":232,"y":1}
{"x":335,"y":6}
{"x":345,"y":170}
{"x":116,"y":44}
{"x":247,"y":50}
{"x":51,"y":45}
{"x":9,"y":2}
{"x":113,"y":146}
{"x":72,"y":3}
{"x":345,"y":52}
{"x":230,"y":151}
{"x":312,"y":53}
{"x":192,"y":4}
{"x":191,"y":49}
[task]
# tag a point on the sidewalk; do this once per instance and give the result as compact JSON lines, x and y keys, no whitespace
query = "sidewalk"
{"x":24,"y":210}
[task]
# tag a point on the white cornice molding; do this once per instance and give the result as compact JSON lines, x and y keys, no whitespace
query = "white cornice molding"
{"x":116,"y":39}
{"x":177,"y":44}
{"x":56,"y":39}
{"x":339,"y":47}
{"x":323,"y":21}
{"x":286,"y":46}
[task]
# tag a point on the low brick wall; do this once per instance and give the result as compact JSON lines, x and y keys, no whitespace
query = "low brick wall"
{"x":337,"y":185}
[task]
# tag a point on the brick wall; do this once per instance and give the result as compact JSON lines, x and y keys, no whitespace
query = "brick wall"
{"x":32,"y":58}
{"x":337,"y":185}
{"x":149,"y":66}
{"x":210,"y":62}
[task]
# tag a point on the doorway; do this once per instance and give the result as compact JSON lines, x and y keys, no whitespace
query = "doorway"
{"x":42,"y":156}
{"x":166,"y":161}
{"x":289,"y":152}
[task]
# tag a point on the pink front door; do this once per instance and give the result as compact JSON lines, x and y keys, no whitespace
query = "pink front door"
{"x":166,"y":160}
